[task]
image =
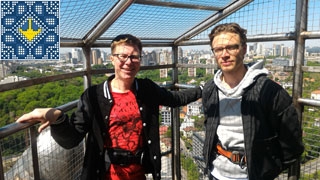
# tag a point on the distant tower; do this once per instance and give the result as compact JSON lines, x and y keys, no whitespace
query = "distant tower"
{"x":210,"y":70}
{"x":94,"y":57}
{"x":192,"y":71}
{"x":284,"y":50}
{"x":74,"y":53}
{"x":165,"y":115}
{"x":260,"y":49}
{"x":99,"y":60}
{"x":180,"y":52}
{"x":2,"y":70}
{"x":163,"y":60}
{"x":276,"y":50}
{"x":96,"y":53}
{"x":163,"y":73}
{"x":77,"y":54}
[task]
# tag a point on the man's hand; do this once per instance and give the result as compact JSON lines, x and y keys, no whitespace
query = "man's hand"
{"x":46,"y":116}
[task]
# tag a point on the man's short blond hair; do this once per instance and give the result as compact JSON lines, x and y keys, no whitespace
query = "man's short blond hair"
{"x":126,"y":39}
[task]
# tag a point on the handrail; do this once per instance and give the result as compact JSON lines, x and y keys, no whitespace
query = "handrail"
{"x":309,"y":102}
{"x":16,"y":127}
{"x":42,"y":80}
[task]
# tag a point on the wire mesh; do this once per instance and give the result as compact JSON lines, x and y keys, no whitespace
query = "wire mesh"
{"x":261,"y":17}
{"x":313,"y":15}
{"x":217,"y":3}
{"x":155,"y":22}
{"x":55,"y":162}
{"x":311,"y":80}
{"x":78,"y":17}
{"x":310,"y":163}
{"x":11,"y":149}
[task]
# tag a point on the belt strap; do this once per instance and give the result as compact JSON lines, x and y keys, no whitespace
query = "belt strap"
{"x":234,"y":156}
{"x":123,"y":157}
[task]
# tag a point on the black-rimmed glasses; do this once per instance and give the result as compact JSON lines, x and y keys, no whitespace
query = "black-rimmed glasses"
{"x":231,"y":49}
{"x":124,"y":57}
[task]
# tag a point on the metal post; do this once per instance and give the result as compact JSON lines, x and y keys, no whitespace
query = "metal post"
{"x":300,"y":26}
{"x":176,"y":171}
{"x":1,"y":167}
{"x":87,"y":66}
{"x":34,"y":152}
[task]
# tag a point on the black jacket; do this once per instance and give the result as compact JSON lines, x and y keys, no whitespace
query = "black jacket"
{"x":92,"y":116}
{"x":272,"y":131}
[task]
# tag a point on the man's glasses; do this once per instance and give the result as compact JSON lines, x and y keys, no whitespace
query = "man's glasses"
{"x":124,"y":57}
{"x":231,"y":49}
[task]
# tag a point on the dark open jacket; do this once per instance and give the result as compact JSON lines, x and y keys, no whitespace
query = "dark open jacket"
{"x":272,"y":131}
{"x":92,"y":116}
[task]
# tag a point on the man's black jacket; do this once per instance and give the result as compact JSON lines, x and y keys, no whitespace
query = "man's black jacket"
{"x":272,"y":131}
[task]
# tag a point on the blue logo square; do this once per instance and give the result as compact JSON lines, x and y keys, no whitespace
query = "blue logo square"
{"x":30,"y":30}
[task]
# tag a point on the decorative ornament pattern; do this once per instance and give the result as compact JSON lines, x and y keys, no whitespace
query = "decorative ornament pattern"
{"x":30,"y":30}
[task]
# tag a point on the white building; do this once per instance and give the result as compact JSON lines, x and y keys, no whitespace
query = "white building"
{"x":165,"y":115}
{"x":315,"y":94}
{"x":194,"y":108}
{"x":186,"y":125}
{"x":11,"y":79}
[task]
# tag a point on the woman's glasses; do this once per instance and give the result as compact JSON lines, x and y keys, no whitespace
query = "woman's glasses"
{"x":124,"y":57}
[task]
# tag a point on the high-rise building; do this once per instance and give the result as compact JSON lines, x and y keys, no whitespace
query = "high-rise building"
{"x":163,"y":73}
{"x":284,"y":50}
{"x":276,"y":50}
{"x":99,"y":61}
{"x":260,"y":49}
{"x":2,"y":70}
{"x":74,"y":53}
{"x":210,"y":70}
{"x":250,"y":49}
{"x":180,"y":52}
{"x":197,"y":151}
{"x":96,"y":54}
{"x":147,"y":58}
{"x":194,"y":108}
{"x":192,"y":72}
{"x":104,"y":56}
{"x":77,"y":54}
{"x":165,"y":115}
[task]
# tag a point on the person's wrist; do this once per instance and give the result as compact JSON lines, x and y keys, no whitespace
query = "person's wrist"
{"x":60,"y":117}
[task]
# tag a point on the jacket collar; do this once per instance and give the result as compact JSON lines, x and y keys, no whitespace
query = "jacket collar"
{"x":107,"y":90}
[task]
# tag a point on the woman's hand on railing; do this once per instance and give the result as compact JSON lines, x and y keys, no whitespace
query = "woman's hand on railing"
{"x":46,"y":116}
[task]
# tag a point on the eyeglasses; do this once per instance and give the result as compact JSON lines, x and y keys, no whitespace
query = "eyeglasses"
{"x":124,"y":57}
{"x":231,"y":49}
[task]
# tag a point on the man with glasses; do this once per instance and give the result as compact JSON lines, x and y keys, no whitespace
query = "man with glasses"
{"x":252,"y":127}
{"x":120,"y":117}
